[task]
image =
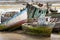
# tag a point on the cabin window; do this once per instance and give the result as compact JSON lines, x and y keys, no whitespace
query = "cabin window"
{"x":46,"y":19}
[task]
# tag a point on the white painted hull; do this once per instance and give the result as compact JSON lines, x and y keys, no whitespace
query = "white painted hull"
{"x":19,"y":19}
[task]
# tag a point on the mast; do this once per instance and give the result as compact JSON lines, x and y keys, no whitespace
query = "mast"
{"x":48,"y":7}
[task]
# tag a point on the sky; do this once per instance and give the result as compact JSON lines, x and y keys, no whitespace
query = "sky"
{"x":34,"y":0}
{"x":6,"y":0}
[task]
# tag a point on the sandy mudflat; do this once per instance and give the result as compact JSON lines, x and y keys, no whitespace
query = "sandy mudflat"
{"x":14,"y":36}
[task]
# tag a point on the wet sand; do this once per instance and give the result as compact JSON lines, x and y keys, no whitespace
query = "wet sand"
{"x":15,"y":36}
{"x":55,"y":36}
